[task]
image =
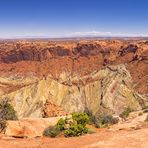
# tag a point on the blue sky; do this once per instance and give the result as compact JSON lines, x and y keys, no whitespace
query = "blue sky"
{"x":65,"y":18}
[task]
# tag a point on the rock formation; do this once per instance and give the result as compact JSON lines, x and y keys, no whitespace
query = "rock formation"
{"x":93,"y":76}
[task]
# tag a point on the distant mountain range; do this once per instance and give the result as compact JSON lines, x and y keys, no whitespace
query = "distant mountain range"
{"x":72,"y":38}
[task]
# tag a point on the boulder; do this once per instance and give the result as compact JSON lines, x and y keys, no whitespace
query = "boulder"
{"x":29,"y":127}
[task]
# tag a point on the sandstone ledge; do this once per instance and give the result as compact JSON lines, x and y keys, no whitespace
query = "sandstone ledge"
{"x":29,"y":127}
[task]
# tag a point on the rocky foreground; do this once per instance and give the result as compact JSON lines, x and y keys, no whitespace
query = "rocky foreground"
{"x":27,"y":133}
{"x":104,"y":139}
{"x":52,"y":79}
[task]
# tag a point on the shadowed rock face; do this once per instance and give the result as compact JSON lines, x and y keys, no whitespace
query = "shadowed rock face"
{"x":93,"y":76}
{"x":39,"y":51}
{"x":87,"y":49}
{"x":43,"y":53}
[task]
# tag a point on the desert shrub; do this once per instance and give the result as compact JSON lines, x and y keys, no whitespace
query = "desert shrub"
{"x":80,"y":118}
{"x":7,"y":111}
{"x":91,"y":120}
{"x":78,"y":127}
{"x":61,"y":124}
{"x":125,"y":113}
{"x":146,"y":120}
{"x":105,"y":120}
{"x":75,"y":130}
{"x":91,"y":117}
{"x":54,"y":131}
{"x":51,"y":131}
{"x":71,"y":127}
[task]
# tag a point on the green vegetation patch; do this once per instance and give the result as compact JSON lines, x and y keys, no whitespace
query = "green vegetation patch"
{"x":51,"y":132}
{"x":70,"y":127}
{"x":80,"y":118}
{"x":61,"y":124}
{"x":105,"y":121}
{"x":7,"y":112}
{"x":126,"y":113}
{"x":76,"y":130}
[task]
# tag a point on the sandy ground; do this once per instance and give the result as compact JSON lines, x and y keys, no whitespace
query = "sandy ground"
{"x":131,"y":133}
{"x":103,"y":139}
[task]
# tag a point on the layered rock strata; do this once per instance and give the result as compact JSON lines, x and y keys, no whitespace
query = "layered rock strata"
{"x":93,"y":76}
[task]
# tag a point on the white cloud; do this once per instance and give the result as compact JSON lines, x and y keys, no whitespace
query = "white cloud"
{"x":73,"y":34}
{"x":89,"y":33}
{"x":104,"y":34}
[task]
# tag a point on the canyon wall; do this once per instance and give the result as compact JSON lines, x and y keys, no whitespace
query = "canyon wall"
{"x":92,"y":76}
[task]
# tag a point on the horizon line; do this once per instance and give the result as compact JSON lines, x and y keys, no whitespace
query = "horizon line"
{"x":75,"y":37}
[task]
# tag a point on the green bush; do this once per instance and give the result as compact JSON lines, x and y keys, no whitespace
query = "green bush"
{"x":105,"y":120}
{"x":80,"y":118}
{"x":51,"y":132}
{"x":7,"y":112}
{"x":75,"y":130}
{"x":61,"y":124}
{"x":78,"y":128}
{"x":126,"y":113}
{"x":71,"y":127}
